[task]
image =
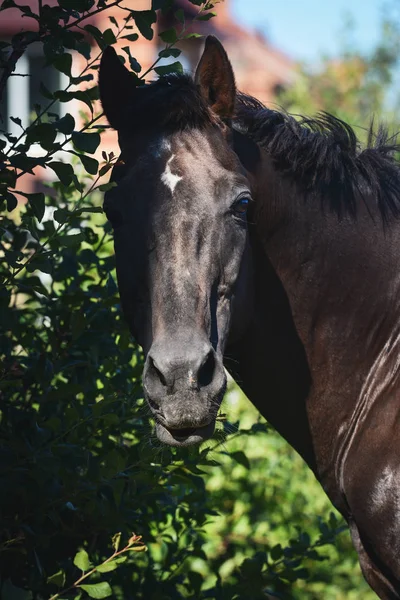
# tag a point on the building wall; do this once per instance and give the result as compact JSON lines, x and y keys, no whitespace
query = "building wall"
{"x":259,"y":68}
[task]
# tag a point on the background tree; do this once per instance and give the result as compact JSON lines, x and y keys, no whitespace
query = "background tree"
{"x":355,"y":85}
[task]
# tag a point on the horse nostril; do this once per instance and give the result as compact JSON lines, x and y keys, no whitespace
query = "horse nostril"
{"x":206,"y":371}
{"x":158,"y":372}
{"x":154,"y":405}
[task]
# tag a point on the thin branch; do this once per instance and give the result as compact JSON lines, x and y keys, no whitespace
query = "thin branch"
{"x":94,"y":13}
{"x":41,"y":248}
{"x":9,"y":66}
{"x":134,"y":541}
{"x":47,"y":108}
{"x":179,"y":39}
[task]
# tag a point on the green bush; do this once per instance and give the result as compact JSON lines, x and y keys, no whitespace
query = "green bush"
{"x":90,"y":504}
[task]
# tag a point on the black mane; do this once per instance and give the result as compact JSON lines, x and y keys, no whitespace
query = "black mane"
{"x":324,"y":158}
{"x":321,"y":155}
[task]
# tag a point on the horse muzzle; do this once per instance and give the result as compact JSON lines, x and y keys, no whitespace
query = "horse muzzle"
{"x":188,"y":436}
{"x":184,"y":385}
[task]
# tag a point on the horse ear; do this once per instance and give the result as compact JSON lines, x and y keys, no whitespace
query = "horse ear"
{"x":214,"y":76}
{"x":116,"y":87}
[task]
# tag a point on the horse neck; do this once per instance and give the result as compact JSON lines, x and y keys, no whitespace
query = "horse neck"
{"x":340,"y":275}
{"x":269,"y":361}
{"x":332,"y":287}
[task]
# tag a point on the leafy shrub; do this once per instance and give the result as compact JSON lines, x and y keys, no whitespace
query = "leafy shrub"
{"x":90,"y":504}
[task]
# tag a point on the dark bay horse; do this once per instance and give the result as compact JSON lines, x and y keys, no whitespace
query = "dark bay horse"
{"x":242,"y":232}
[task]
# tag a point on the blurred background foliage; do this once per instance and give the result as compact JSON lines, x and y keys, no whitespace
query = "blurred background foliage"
{"x":354,"y":86}
{"x":90,"y":504}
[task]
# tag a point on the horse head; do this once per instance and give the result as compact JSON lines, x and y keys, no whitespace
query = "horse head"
{"x":179,"y":214}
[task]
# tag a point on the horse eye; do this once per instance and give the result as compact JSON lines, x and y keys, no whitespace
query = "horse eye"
{"x":240,"y":206}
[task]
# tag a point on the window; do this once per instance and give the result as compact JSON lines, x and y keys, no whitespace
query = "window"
{"x":22,"y":94}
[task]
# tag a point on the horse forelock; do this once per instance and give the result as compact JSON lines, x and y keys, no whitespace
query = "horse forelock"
{"x":169,"y":104}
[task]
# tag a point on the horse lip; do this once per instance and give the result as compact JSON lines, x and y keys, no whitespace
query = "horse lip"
{"x":183,"y":432}
{"x":191,"y":435}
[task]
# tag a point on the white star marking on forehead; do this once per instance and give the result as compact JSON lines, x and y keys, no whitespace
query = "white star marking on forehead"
{"x":168,"y":178}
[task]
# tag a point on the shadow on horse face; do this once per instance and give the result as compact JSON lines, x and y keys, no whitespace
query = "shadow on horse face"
{"x":180,"y":230}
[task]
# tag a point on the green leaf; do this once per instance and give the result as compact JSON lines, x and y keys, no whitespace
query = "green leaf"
{"x":114,"y":21}
{"x":241,"y":459}
{"x":83,"y":96}
{"x":174,"y":67}
{"x":87,"y":142}
{"x":107,"y":567}
{"x":88,"y":209}
{"x":7,"y":4}
{"x":206,"y":17}
{"x":94,"y":31}
{"x":71,"y":240}
{"x":192,"y":35}
{"x":30,"y":222}
{"x":37,"y":203}
{"x":63,"y":171}
{"x":57,"y":579}
{"x":169,"y":36}
{"x":144,"y":20}
{"x":276,"y":552}
{"x":45,"y":92}
{"x":302,"y":573}
{"x":135,"y":66}
{"x":78,"y":324}
{"x":166,"y":53}
{"x":41,"y":263}
{"x":180,"y":15}
{"x":111,"y":565}
{"x":106,"y":38}
{"x":12,"y":201}
{"x":107,"y":186}
{"x":82,"y":561}
{"x":144,"y":548}
{"x":61,"y":215}
{"x":98,"y":590}
{"x":23,"y":162}
{"x":111,"y":286}
{"x":91,"y":164}
{"x":63,"y":63}
{"x":109,"y":37}
{"x":78,"y":80}
{"x":9,"y":176}
{"x":16,"y":120}
{"x":66,"y":124}
{"x":76,"y":5}
{"x":115,"y":540}
{"x":132,"y":37}
{"x":104,"y":169}
{"x":44,"y":133}
{"x":83,"y":48}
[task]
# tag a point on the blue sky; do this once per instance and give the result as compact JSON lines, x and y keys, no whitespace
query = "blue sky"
{"x":306,"y":28}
